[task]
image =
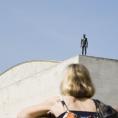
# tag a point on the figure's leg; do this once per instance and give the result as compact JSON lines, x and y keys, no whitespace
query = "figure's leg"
{"x":85,"y":50}
{"x":82,"y":50}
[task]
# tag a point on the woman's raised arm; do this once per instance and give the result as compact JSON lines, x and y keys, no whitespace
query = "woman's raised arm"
{"x":37,"y":110}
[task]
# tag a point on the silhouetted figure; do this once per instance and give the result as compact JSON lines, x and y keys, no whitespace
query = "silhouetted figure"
{"x":84,"y":44}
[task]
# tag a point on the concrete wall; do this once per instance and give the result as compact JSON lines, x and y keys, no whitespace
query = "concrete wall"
{"x":104,"y":74}
{"x":31,"y":83}
{"x":31,"y":90}
{"x":23,"y":71}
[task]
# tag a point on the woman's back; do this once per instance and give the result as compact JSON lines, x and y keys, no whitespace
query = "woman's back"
{"x":82,"y":108}
{"x":78,"y":106}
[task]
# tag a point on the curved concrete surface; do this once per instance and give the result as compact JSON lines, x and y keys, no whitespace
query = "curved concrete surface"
{"x":24,"y":70}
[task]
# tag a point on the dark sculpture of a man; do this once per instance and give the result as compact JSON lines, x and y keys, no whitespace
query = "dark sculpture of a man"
{"x":84,"y":44}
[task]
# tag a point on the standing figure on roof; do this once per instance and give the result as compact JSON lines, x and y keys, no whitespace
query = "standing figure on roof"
{"x":84,"y":44}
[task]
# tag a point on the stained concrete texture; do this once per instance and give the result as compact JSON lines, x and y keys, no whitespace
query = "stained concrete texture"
{"x":104,"y":73}
{"x":32,"y":89}
{"x":23,"y":71}
{"x":25,"y":85}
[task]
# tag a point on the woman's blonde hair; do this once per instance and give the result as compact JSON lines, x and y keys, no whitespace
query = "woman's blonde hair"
{"x":77,"y":82}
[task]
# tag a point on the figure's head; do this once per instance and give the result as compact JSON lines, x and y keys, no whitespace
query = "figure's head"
{"x":84,"y":35}
{"x":77,"y":82}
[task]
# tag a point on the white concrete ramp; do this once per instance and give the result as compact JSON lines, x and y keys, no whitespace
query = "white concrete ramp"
{"x":25,"y":91}
{"x":20,"y":90}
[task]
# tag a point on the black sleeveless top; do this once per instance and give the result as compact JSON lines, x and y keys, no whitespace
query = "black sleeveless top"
{"x":102,"y":110}
{"x":81,"y":114}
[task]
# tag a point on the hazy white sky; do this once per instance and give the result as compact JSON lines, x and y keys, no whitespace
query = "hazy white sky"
{"x":52,"y":29}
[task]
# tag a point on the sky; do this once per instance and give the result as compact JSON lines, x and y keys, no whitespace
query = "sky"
{"x":52,"y":29}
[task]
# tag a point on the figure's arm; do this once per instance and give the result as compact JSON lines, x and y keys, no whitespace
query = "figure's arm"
{"x":37,"y":110}
{"x":81,"y":43}
{"x":87,"y":43}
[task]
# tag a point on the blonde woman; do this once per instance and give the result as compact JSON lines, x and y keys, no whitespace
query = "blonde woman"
{"x":76,"y":90}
